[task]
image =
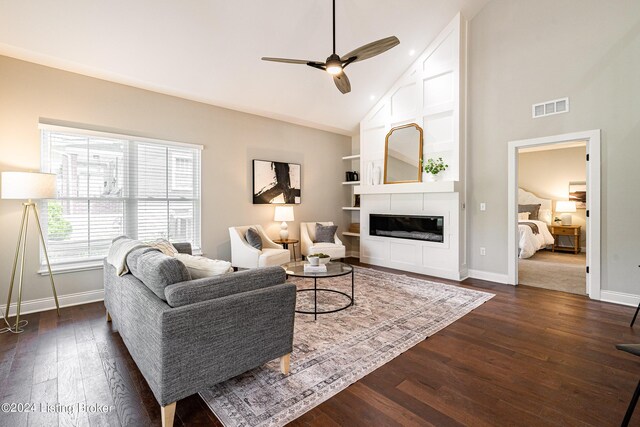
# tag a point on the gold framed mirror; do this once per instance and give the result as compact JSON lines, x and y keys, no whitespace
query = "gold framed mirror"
{"x":402,"y":154}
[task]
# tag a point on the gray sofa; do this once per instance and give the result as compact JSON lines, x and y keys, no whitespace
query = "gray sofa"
{"x":186,"y":335}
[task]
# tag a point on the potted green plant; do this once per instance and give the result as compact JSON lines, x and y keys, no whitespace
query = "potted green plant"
{"x":433,"y":168}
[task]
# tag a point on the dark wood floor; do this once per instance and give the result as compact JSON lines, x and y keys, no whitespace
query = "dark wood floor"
{"x":528,"y":357}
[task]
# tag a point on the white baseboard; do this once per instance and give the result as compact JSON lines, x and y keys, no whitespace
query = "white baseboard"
{"x":619,"y":298}
{"x":44,"y":304}
{"x":489,"y":276}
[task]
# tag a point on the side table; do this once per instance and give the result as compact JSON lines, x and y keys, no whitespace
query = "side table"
{"x":285,"y":244}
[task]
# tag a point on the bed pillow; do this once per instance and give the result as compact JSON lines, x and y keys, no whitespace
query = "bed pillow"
{"x":254,"y":239}
{"x":545,"y":216}
{"x":532,"y":209}
{"x":524,"y":216}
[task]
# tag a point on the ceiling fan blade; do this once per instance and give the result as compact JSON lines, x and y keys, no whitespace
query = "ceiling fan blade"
{"x":287,"y":61}
{"x":342,"y":82}
{"x":370,"y":50}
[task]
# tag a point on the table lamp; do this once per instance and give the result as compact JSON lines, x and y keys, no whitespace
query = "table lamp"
{"x":27,"y":186}
{"x":566,"y":208}
{"x":284,"y":214}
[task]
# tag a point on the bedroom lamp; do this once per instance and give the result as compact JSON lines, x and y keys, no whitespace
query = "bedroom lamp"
{"x":27,"y":186}
{"x":284,"y":214}
{"x":566,"y":208}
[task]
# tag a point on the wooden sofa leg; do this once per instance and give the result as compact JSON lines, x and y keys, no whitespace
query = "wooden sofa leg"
{"x":285,"y":361}
{"x":108,"y":316}
{"x":168,"y":412}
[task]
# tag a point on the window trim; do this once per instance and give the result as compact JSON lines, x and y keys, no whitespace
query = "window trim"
{"x":94,"y":263}
{"x":90,"y":132}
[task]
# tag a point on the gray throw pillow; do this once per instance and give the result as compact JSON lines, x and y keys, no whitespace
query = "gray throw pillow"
{"x":325,"y":233}
{"x":254,"y":239}
{"x":532,"y":209}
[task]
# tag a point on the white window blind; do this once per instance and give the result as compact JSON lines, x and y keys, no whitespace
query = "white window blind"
{"x":112,"y":185}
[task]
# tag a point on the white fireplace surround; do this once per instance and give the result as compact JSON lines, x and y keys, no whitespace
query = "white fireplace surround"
{"x":430,"y":93}
{"x":441,"y":259}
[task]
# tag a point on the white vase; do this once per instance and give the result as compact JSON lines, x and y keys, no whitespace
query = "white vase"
{"x":370,"y":173}
{"x":432,"y":178}
{"x":377,"y":175}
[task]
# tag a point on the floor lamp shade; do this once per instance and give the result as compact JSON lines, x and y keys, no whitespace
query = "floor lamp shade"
{"x":28,"y":185}
{"x":284,"y":214}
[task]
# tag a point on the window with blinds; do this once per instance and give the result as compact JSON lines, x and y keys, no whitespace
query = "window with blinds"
{"x":114,"y":185}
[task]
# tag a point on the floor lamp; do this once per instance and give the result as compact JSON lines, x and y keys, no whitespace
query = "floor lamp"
{"x":27,"y":186}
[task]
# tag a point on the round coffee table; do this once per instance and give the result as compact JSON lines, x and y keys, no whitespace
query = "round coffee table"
{"x":334,"y":269}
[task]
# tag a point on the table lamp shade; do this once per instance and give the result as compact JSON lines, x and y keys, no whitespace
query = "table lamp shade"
{"x":283,"y":213}
{"x":28,"y":185}
{"x":565,"y":206}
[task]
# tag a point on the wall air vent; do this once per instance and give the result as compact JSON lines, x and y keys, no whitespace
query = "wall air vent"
{"x":557,"y":106}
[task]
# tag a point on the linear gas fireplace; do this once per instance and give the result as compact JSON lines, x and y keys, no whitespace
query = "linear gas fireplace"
{"x":412,"y":227}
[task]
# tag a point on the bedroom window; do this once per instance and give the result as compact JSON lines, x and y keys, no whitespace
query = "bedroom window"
{"x":110,"y":185}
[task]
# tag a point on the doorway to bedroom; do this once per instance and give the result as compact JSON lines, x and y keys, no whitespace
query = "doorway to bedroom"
{"x":552,"y":222}
{"x":554,"y":199}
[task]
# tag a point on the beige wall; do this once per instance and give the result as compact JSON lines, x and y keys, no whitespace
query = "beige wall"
{"x":29,"y":92}
{"x":523,"y":52}
{"x":547,"y":174}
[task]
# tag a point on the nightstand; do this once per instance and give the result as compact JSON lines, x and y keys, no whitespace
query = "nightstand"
{"x":566,"y":230}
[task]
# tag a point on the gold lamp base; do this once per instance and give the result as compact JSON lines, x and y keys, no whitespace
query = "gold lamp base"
{"x":20,"y":252}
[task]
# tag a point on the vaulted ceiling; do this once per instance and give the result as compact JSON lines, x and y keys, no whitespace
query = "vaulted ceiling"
{"x":210,"y":51}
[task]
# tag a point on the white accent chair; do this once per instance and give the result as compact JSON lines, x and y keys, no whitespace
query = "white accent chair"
{"x":243,"y":255}
{"x":308,"y":246}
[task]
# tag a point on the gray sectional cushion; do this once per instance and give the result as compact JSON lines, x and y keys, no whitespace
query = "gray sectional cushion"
{"x":208,"y":288}
{"x":325,"y":233}
{"x":156,"y":270}
{"x":254,"y":239}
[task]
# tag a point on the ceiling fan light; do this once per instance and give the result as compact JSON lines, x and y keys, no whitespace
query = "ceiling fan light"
{"x":334,"y":70}
{"x":334,"y":66}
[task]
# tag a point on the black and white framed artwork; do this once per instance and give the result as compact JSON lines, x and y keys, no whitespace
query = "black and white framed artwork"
{"x":276,"y":182}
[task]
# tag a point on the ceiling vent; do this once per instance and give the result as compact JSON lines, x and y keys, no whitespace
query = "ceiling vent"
{"x":549,"y":108}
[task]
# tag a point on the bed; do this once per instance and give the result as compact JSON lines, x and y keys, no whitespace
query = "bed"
{"x":533,"y":234}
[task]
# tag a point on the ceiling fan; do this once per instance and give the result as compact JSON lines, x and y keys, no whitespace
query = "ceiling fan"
{"x":335,"y":64}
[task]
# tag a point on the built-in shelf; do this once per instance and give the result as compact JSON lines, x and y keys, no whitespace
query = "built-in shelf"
{"x":349,"y":233}
{"x":350,"y":208}
{"x":414,"y":187}
{"x":351,"y":183}
{"x":353,"y":157}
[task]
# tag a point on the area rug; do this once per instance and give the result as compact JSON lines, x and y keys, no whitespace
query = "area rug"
{"x":392,"y":313}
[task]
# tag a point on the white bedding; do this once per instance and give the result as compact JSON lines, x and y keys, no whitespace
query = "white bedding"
{"x":530,"y":243}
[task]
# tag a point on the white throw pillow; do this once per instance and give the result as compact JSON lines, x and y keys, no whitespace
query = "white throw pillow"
{"x":523,"y":216}
{"x":164,"y":246}
{"x":200,"y":266}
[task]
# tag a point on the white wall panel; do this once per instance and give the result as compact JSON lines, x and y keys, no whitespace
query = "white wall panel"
{"x":404,"y":101}
{"x":427,"y":94}
{"x":403,"y":253}
{"x":438,"y":129}
{"x":441,"y":59}
{"x":438,"y":90}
